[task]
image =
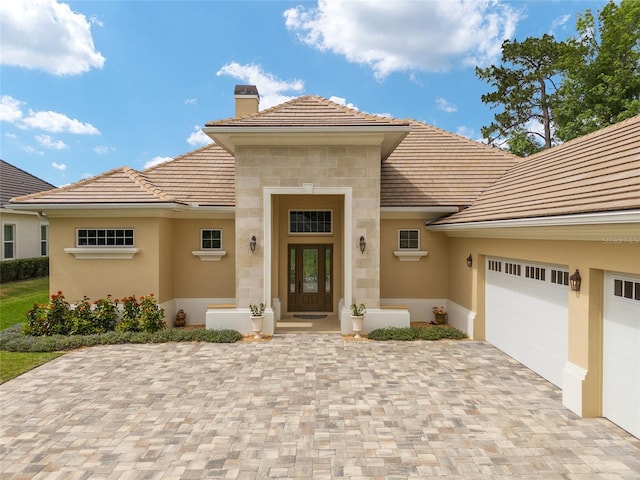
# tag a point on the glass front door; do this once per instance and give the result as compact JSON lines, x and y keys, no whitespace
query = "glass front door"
{"x":310,"y":278}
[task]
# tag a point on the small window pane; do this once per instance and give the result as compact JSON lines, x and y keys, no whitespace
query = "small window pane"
{"x":211,"y":239}
{"x":409,"y":239}
{"x":312,"y":221}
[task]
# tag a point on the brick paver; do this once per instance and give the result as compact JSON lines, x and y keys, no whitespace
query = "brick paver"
{"x":299,"y":406}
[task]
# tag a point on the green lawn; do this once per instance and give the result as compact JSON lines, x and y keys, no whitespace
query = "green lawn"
{"x":16,"y":299}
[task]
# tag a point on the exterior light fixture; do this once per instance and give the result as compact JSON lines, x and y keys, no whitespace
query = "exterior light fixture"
{"x":252,"y":243}
{"x":469,"y":261}
{"x":574,"y":281}
{"x":363,"y":244}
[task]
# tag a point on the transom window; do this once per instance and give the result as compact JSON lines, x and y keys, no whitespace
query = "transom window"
{"x":626,"y":289}
{"x":211,"y":239}
{"x":105,"y":237}
{"x":409,"y":239}
{"x":310,"y":221}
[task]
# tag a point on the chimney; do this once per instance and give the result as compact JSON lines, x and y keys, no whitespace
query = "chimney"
{"x":247,"y":100}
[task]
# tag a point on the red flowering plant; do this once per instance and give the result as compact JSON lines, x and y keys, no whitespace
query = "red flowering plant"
{"x":151,"y":314}
{"x":81,"y":320}
{"x":130,"y":321}
{"x":105,"y":314}
{"x":52,"y":319}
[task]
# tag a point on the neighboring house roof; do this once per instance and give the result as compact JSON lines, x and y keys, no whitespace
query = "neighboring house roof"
{"x":15,"y":182}
{"x":599,"y":172}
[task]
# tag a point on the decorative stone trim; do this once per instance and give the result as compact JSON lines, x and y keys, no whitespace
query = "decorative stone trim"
{"x":108,"y":253}
{"x":410,"y":255}
{"x":210,"y":255}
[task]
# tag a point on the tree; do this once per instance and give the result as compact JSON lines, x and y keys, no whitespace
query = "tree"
{"x":602,"y":71}
{"x":525,"y":85}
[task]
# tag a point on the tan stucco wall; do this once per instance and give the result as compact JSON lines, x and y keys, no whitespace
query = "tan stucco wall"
{"x":426,"y":278}
{"x":98,"y":278}
{"x":592,"y":258}
{"x":194,"y":278}
{"x":282,"y":239}
{"x":350,"y":166}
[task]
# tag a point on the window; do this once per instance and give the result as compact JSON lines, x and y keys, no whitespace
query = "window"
{"x":626,"y":289}
{"x":495,"y":265}
{"x":513,"y":268}
{"x":44,"y":240}
{"x":9,"y":241}
{"x":211,"y":239}
{"x":103,"y":237}
{"x":559,"y":277}
{"x":535,"y":273}
{"x":310,"y":221}
{"x":409,"y":239}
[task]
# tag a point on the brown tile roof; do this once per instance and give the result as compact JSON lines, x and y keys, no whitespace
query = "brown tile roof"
{"x":436,"y":168}
{"x":307,"y":111}
{"x":599,"y":172}
{"x":15,"y":182}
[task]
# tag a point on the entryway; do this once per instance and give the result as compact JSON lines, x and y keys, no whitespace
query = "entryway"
{"x":310,"y":283}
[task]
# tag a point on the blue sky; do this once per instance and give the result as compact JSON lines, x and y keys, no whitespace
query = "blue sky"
{"x":88,"y":86}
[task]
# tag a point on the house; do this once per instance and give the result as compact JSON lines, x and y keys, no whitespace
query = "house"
{"x":25,"y":233}
{"x":310,"y":206}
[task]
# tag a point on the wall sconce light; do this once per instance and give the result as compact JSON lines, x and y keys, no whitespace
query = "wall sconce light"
{"x":252,"y":243}
{"x":363,"y":244}
{"x":469,"y":261}
{"x":574,"y":281}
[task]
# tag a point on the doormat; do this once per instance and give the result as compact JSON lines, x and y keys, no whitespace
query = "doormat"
{"x":310,"y":317}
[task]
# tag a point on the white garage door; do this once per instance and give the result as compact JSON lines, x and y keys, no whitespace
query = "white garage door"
{"x":621,"y":352}
{"x":527,"y":314}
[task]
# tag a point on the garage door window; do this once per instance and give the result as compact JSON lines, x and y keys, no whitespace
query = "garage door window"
{"x":495,"y":265}
{"x":559,"y":277}
{"x":513,"y":268}
{"x":626,"y":289}
{"x":535,"y":273}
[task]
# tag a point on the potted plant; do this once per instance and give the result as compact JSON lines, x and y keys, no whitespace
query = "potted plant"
{"x":357,"y":317}
{"x":440,"y":314}
{"x":257,"y":317}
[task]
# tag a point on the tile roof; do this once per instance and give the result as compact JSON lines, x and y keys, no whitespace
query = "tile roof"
{"x":307,"y":111}
{"x":599,"y":172}
{"x":432,"y":167}
{"x":15,"y":182}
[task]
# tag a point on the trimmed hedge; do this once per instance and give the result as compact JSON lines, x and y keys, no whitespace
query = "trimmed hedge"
{"x":414,"y":333}
{"x":23,"y":269}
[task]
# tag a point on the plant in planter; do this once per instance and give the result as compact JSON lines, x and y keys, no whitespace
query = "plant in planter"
{"x":440,"y":314}
{"x":257,"y":317}
{"x":357,"y":317}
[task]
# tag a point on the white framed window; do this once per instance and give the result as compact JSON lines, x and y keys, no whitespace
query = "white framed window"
{"x":494,"y":265}
{"x":310,"y":221}
{"x":409,"y":239}
{"x":626,"y":289}
{"x":8,"y":241}
{"x":559,"y":277}
{"x":104,"y":237}
{"x":535,"y":273}
{"x":211,"y":239}
{"x":44,"y":240}
{"x":513,"y":269}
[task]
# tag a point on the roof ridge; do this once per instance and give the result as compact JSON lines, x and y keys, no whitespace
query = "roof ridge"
{"x":158,"y":165}
{"x":26,"y":173}
{"x":140,"y":179}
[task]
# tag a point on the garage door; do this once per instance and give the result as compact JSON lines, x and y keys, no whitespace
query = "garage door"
{"x":527,"y":314}
{"x":621,"y":352}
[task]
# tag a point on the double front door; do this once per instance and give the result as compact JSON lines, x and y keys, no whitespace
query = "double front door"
{"x":310,"y":278}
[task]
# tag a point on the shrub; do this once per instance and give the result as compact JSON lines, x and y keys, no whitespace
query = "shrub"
{"x":23,"y":268}
{"x":105,"y":315}
{"x":81,"y":318}
{"x":53,"y":319}
{"x":413,"y":333}
{"x":151,"y":314}
{"x":392,"y":333}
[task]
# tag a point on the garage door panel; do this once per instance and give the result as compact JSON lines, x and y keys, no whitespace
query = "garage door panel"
{"x":528,"y":319}
{"x":621,"y":353}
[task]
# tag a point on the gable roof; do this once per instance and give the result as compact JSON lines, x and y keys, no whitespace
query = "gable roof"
{"x":15,"y":182}
{"x":599,"y":172}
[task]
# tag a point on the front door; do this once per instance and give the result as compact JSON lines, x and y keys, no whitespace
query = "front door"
{"x":310,"y":278}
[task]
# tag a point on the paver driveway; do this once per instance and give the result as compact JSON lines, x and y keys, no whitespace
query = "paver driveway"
{"x":299,"y":406}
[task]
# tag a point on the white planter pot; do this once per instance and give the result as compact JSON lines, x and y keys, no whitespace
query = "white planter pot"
{"x":257,"y":325}
{"x":356,"y":323}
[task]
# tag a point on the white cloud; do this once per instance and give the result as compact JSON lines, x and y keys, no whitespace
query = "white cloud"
{"x":57,"y":122}
{"x":559,"y":22}
{"x":59,"y":166}
{"x":47,"y":35}
{"x":10,"y":135}
{"x":191,"y":101}
{"x":156,"y":161}
{"x":466,"y":132}
{"x":198,"y":138}
{"x":10,"y":109}
{"x":269,"y":86}
{"x":30,"y":149}
{"x":102,"y":150}
{"x":343,"y":101}
{"x":444,"y":105}
{"x":48,"y":142}
{"x":406,"y":35}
